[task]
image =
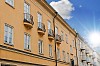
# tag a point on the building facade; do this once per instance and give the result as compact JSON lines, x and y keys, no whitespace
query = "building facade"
{"x":96,"y":57}
{"x":33,"y":34}
{"x":85,"y":53}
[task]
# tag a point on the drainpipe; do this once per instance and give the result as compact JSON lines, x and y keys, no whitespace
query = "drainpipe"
{"x":55,"y":38}
{"x":76,"y":48}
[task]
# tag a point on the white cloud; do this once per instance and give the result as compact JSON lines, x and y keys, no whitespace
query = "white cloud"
{"x":63,"y":7}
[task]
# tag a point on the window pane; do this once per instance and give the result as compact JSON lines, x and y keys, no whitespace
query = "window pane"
{"x":26,"y":8}
{"x":25,"y":41}
{"x":50,"y":50}
{"x":10,"y":35}
{"x":56,"y":30}
{"x":39,"y":46}
{"x":28,"y":42}
{"x":39,"y":17}
{"x":49,"y":25}
{"x":6,"y":33}
{"x":11,"y":2}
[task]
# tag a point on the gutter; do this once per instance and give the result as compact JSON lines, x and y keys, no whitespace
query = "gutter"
{"x":55,"y":37}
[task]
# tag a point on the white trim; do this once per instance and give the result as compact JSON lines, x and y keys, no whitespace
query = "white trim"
{"x":10,"y":2}
{"x":7,"y":29}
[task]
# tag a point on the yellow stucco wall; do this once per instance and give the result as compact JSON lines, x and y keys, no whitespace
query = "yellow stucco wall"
{"x":15,"y":16}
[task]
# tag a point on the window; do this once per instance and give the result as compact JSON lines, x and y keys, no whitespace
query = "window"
{"x":73,"y":43}
{"x":71,"y":49}
{"x":8,"y":36}
{"x":50,"y":50}
{"x":26,"y":8}
{"x":64,"y":55}
{"x":62,"y":36}
{"x":58,"y":54}
{"x":40,"y":21}
{"x":27,"y":41}
{"x":56,"y":30}
{"x":66,"y":38}
{"x":68,"y":57}
{"x":27,"y":11}
{"x":40,"y":45}
{"x":49,"y":25}
{"x":10,"y":2}
{"x":39,"y":17}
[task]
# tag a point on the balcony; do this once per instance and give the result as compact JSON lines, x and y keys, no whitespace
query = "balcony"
{"x":93,"y":56}
{"x":91,"y":62}
{"x":87,"y":51}
{"x":58,"y":39}
{"x":50,"y":34}
{"x":28,"y":20}
{"x":41,"y":28}
{"x":88,"y":60}
{"x":94,"y":64}
{"x":83,"y":57}
{"x":82,"y":48}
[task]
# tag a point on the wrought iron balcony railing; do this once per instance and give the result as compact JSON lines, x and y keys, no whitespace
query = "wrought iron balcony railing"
{"x":50,"y":33}
{"x":41,"y":28}
{"x":28,"y":18}
{"x":58,"y":39}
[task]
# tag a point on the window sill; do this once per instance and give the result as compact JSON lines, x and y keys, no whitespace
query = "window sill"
{"x":8,"y":44}
{"x":51,"y":56}
{"x":27,"y":50}
{"x":41,"y":54}
{"x":64,"y":61}
{"x":10,"y":5}
{"x":58,"y":59}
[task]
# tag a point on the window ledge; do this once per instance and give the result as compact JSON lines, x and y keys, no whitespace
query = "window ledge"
{"x":51,"y":56}
{"x":28,"y":50}
{"x":10,"y":5}
{"x":8,"y":44}
{"x":41,"y":54}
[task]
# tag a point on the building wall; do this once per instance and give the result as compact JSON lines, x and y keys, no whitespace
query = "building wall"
{"x":84,"y":53}
{"x":96,"y":59}
{"x":16,"y":54}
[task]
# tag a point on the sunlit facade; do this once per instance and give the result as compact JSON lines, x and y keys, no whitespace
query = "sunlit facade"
{"x":32,"y":34}
{"x":85,"y":53}
{"x":96,"y":59}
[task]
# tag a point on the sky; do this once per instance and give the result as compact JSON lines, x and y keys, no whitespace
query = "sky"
{"x":81,"y":15}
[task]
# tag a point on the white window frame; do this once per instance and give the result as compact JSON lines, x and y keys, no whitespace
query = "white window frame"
{"x":27,"y":41}
{"x":40,"y":46}
{"x":26,"y":8}
{"x":10,"y":2}
{"x":49,"y":25}
{"x":7,"y":34}
{"x":39,"y":17}
{"x":50,"y":51}
{"x":56,"y":30}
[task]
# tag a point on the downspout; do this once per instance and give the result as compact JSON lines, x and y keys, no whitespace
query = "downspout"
{"x":76,"y":48}
{"x":55,"y":37}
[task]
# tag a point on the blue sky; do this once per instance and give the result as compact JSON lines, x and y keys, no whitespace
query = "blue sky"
{"x":85,"y":16}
